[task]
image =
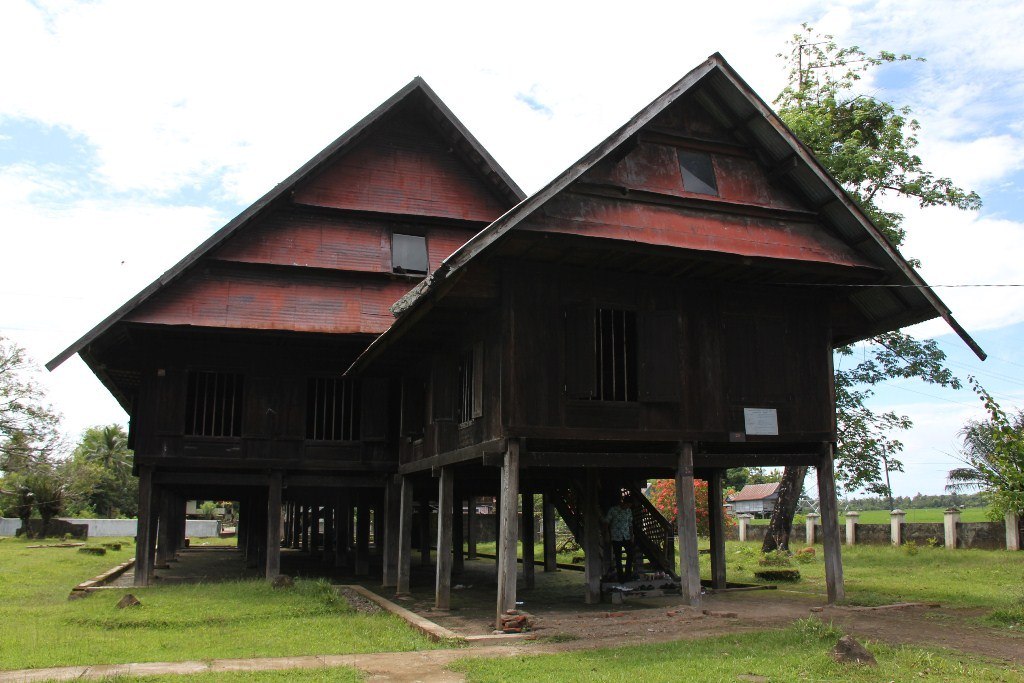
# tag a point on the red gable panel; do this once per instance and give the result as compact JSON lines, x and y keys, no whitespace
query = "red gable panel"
{"x":403,"y":167}
{"x":230,"y":299}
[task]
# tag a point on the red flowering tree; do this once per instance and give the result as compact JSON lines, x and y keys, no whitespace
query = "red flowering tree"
{"x":662,"y":493}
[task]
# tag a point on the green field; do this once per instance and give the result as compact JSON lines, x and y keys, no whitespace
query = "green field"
{"x":39,"y":627}
{"x":919,"y":516}
{"x":796,"y":653}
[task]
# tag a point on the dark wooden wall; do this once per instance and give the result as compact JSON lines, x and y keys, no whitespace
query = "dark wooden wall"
{"x":707,"y":350}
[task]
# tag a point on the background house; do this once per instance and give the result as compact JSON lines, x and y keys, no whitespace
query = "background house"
{"x":755,"y":499}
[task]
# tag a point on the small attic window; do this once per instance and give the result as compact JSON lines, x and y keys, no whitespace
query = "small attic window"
{"x":698,"y":172}
{"x":408,"y":254}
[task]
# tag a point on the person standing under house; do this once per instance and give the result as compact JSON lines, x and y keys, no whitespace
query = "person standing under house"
{"x":620,"y":528}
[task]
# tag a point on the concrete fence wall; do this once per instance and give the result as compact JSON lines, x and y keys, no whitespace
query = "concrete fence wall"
{"x":952,"y":533}
{"x":103,"y":528}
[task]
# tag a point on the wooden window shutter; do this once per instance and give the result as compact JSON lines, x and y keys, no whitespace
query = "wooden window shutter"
{"x":373,"y":422}
{"x":413,"y":394}
{"x":170,"y":388}
{"x":259,"y":421}
{"x":659,"y":378}
{"x":478,"y":379}
{"x":443,"y":381}
{"x":580,"y":352}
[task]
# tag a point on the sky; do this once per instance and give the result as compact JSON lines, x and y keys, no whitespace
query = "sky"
{"x":131,"y":130}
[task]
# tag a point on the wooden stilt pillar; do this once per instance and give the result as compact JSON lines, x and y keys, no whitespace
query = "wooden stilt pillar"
{"x":592,"y":556}
{"x":296,"y":526}
{"x":328,"y":535}
{"x":443,"y":582}
{"x":689,"y":562}
{"x":392,"y":526}
{"x":287,"y":517}
{"x":165,"y":533}
{"x":180,"y":523}
{"x":142,"y":565}
{"x":339,"y":542}
{"x":252,"y":533}
{"x":529,"y":532}
{"x":829,"y":509}
{"x":548,"y":524}
{"x":425,"y":532}
{"x":405,"y":537}
{"x":272,"y":566}
{"x":306,"y":527}
{"x":716,"y":522}
{"x":497,"y":535}
{"x":363,"y":535}
{"x":377,"y":519}
{"x":508,"y":531}
{"x":458,"y":536}
{"x":471,"y":529}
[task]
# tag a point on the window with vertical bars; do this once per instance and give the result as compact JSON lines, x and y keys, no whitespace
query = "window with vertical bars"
{"x":332,"y":409}
{"x":616,"y":354}
{"x":464,"y":396}
{"x":214,"y":404}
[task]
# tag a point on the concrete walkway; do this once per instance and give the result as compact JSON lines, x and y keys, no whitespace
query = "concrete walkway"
{"x":427,"y":666}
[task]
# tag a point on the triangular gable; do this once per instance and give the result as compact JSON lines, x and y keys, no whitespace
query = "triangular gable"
{"x":721,"y":90}
{"x":417,"y":90}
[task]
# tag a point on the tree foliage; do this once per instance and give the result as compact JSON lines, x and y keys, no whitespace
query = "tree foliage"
{"x":99,"y":474}
{"x":868,"y":146}
{"x":662,"y":493}
{"x":993,"y":455}
{"x":29,"y":429}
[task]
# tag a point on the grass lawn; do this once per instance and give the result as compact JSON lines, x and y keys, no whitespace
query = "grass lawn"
{"x":40,"y":628}
{"x":338,"y":674}
{"x":916,"y":516}
{"x":797,"y":653}
{"x":990,"y":579}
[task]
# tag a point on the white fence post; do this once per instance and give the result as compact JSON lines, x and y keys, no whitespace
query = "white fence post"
{"x":851,"y":527}
{"x":810,"y":524}
{"x":1012,"y":531}
{"x":950,"y":519}
{"x":896,"y":519}
{"x":743,"y":521}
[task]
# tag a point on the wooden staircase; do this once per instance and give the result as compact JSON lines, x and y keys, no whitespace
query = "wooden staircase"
{"x":654,"y":535}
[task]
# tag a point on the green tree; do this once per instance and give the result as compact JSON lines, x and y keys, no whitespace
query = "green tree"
{"x":29,"y":429}
{"x":99,"y":474}
{"x":993,"y":455}
{"x":868,"y":146}
{"x":48,"y":491}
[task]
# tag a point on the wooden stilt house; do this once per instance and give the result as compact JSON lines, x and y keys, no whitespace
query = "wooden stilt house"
{"x":667,"y":307}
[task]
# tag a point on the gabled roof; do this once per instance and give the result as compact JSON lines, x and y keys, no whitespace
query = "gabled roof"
{"x":755,"y":492}
{"x":450,"y":125}
{"x":720,"y":89}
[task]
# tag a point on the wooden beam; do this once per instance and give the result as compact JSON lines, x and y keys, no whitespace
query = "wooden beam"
{"x":550,"y":557}
{"x":593,"y":566}
{"x":443,"y":582}
{"x":716,"y":519}
{"x":273,"y":562}
{"x":142,"y":563}
{"x":689,"y":559}
{"x":508,"y":532}
{"x":829,"y":509}
{"x":405,"y":537}
{"x":472,"y":452}
{"x":528,"y":535}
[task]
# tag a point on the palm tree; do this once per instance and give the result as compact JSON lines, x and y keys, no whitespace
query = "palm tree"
{"x":108,"y":447}
{"x":993,"y":455}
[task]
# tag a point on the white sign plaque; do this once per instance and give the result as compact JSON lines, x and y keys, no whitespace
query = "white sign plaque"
{"x":763,"y":421}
